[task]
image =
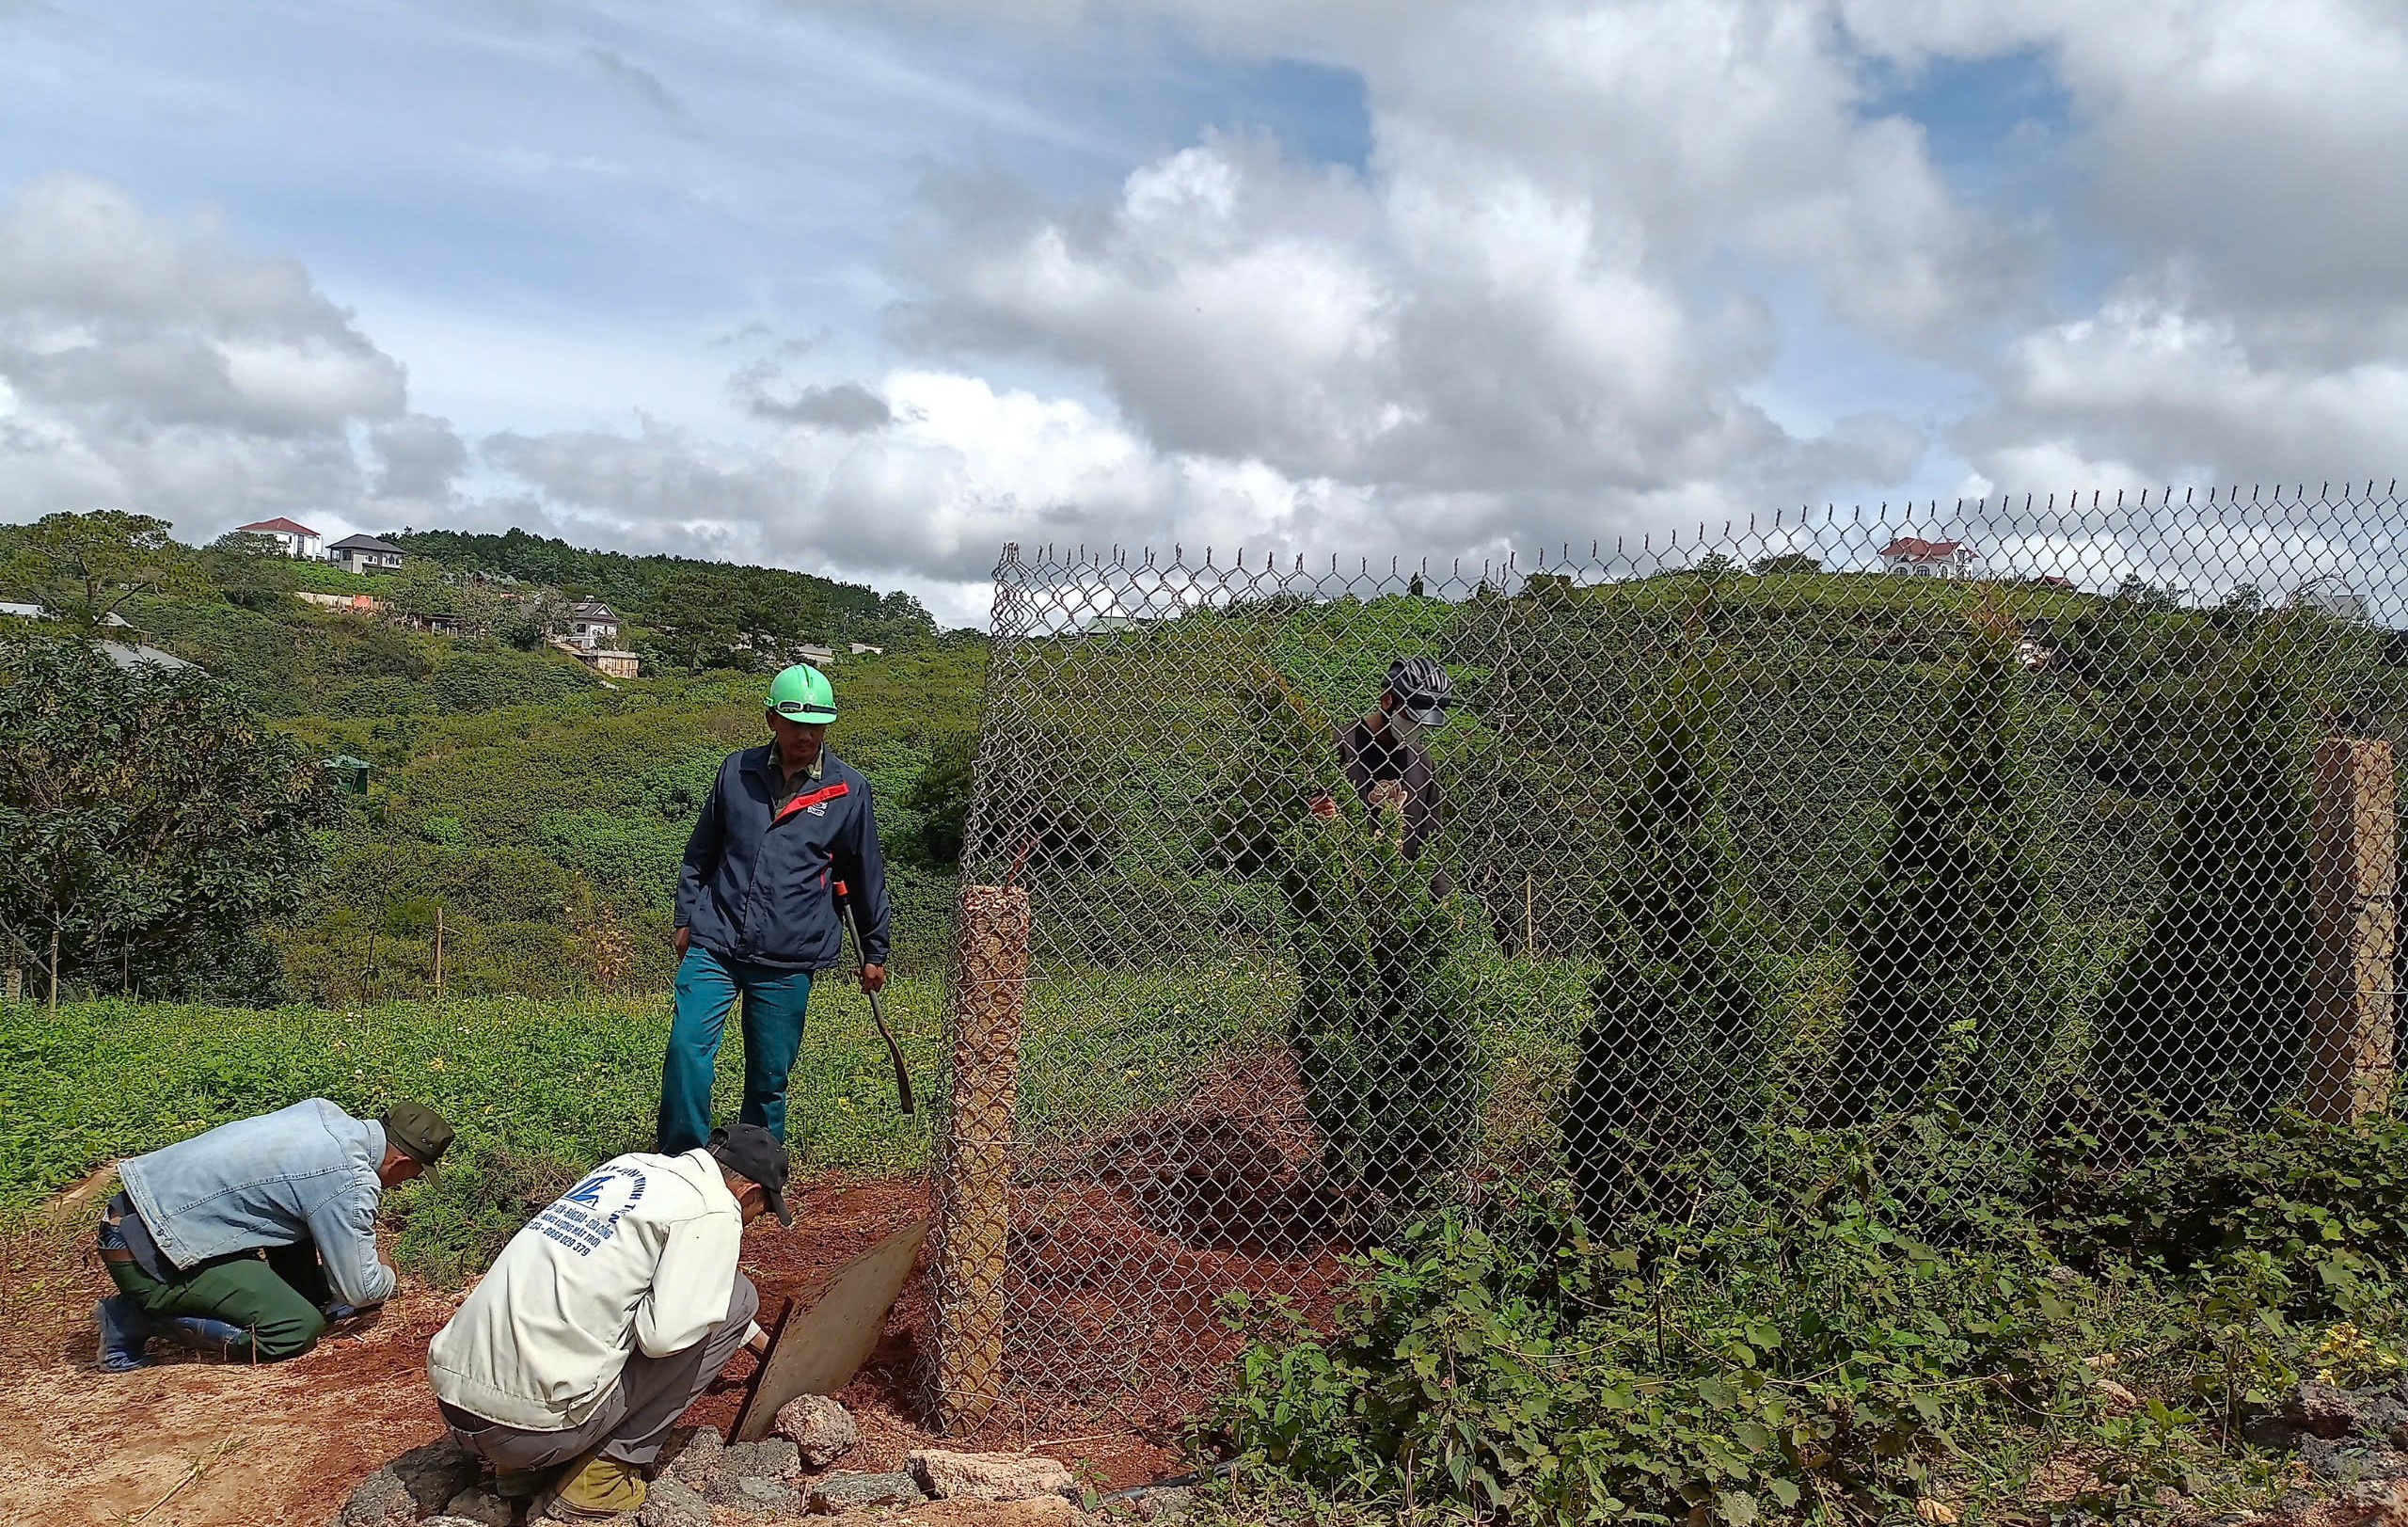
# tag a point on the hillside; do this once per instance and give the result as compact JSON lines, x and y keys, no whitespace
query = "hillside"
{"x":536,"y":808}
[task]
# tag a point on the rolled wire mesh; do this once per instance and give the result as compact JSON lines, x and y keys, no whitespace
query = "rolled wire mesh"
{"x":1923,"y":834}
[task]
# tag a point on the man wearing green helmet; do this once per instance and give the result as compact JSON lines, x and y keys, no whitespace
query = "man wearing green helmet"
{"x":786,"y":823}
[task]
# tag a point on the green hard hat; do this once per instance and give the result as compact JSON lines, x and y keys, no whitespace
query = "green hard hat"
{"x":801,"y":693}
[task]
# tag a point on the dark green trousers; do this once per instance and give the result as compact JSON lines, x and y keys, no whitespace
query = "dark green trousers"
{"x":274,"y":1295}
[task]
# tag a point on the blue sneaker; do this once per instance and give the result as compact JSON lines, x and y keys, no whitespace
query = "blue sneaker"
{"x":207,"y":1337}
{"x":124,"y":1330}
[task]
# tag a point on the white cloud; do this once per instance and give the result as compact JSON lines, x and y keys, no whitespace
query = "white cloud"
{"x":159,"y":366}
{"x":1585,"y":240}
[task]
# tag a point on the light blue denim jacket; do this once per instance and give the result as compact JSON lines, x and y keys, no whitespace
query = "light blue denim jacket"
{"x":303,"y":1173}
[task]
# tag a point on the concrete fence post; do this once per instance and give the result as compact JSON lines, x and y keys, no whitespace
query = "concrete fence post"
{"x":2353,"y":883}
{"x":973,"y":1167}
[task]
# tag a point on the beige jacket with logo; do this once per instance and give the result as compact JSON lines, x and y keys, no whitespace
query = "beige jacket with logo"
{"x":639,"y":1257}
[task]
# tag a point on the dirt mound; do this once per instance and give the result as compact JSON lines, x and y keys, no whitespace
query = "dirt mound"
{"x":1125,"y":1248}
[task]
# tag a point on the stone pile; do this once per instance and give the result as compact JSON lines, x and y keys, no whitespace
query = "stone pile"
{"x":704,"y":1479}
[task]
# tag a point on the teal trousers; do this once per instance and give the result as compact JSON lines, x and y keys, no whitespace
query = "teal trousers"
{"x":708,"y":987}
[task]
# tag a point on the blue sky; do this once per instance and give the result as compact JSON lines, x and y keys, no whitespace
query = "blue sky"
{"x":1320,"y":274}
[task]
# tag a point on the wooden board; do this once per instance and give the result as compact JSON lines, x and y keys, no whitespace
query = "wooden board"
{"x":823,"y":1338}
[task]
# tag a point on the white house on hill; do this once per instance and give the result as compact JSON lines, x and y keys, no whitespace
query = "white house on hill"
{"x":365,"y":554}
{"x":299,"y":540}
{"x":1913,"y":557}
{"x":592,"y":624}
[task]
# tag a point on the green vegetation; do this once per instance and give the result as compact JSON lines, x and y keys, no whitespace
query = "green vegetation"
{"x":1673,"y":1049}
{"x":692,"y":613}
{"x":2096,"y":1358}
{"x":1950,"y":1005}
{"x":149,"y":826}
{"x":532,"y":810}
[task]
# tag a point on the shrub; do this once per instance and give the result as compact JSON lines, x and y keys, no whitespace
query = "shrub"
{"x":1948,"y":1005}
{"x":2207,"y":1012}
{"x":148,"y":825}
{"x":1673,"y":1046}
{"x":1382,"y":1030}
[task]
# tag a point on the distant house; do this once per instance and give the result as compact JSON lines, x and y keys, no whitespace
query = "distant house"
{"x":2331,"y":597}
{"x":612,"y":665}
{"x":1913,"y":557}
{"x":127,"y":655}
{"x":592,"y":624}
{"x":860,"y":648}
{"x":299,"y":540}
{"x":1108,"y":625}
{"x":365,"y":554}
{"x":816,"y":655}
{"x":2050,"y":580}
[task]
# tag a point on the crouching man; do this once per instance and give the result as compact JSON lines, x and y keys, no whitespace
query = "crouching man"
{"x":606,"y":1316}
{"x":246,"y":1241}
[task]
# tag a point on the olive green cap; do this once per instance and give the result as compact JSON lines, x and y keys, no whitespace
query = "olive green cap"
{"x":418,"y":1132}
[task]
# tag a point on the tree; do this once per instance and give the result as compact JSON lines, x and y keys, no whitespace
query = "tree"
{"x":1788,"y":563}
{"x":2207,"y":1012}
{"x":1382,"y":1029}
{"x":82,"y":568}
{"x":250,"y":570}
{"x":148,"y":825}
{"x":1948,"y":1003}
{"x":941,"y":794}
{"x":419,"y":588}
{"x":1672,"y":1041}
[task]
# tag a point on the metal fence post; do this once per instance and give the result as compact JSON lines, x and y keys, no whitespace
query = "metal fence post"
{"x":974,"y":1161}
{"x":2354,"y":872}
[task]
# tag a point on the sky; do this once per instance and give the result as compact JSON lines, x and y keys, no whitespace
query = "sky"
{"x":870,"y":290}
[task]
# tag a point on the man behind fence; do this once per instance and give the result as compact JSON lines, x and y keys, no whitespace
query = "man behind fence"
{"x":1385,"y":756}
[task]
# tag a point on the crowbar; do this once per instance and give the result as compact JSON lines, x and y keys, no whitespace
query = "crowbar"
{"x":876,"y":1008}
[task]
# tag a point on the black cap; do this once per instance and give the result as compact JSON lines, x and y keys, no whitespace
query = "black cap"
{"x":1422,"y":688}
{"x":754,"y":1154}
{"x":418,"y":1132}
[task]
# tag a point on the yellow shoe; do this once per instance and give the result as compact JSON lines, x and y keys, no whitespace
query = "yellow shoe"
{"x":598,"y":1487}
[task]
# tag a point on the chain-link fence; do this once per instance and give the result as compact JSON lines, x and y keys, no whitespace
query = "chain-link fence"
{"x":1920,"y":832}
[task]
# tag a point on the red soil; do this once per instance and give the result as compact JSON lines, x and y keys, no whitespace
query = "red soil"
{"x":1122,"y":1250}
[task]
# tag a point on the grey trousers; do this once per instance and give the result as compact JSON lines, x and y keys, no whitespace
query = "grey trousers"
{"x":633,"y":1420}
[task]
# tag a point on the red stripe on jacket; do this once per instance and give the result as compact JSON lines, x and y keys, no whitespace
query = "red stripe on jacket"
{"x":826,"y":794}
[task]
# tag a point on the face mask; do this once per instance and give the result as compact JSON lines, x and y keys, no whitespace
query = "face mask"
{"x":1404,"y":730}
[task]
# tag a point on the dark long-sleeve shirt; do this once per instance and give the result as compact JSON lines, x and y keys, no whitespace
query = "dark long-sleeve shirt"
{"x":757,"y":883}
{"x":1372,"y":757}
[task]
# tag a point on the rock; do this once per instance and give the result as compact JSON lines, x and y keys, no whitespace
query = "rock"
{"x":693,"y":1457}
{"x":820,"y":1429}
{"x":481,"y":1506}
{"x":840,"y":1492}
{"x":670,"y":1503}
{"x":763,"y":1498}
{"x":772,"y":1459}
{"x":2382,"y":1505}
{"x":447,"y":1519}
{"x":2331,"y":1412}
{"x":2120,"y":1401}
{"x":1176,"y":1503}
{"x":412,"y":1487}
{"x":2350,"y":1461}
{"x":947,"y":1475}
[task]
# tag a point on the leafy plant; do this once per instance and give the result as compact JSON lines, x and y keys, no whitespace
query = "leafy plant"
{"x":1949,"y":1006}
{"x":149,"y":824}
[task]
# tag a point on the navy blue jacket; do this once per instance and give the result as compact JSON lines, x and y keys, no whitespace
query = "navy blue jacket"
{"x":758,"y":889}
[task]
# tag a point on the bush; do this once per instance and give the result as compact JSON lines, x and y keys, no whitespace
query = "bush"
{"x":1672,"y":1052}
{"x":1948,"y":1006}
{"x":2206,"y":1013}
{"x":148,"y":825}
{"x":1381,"y":1034}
